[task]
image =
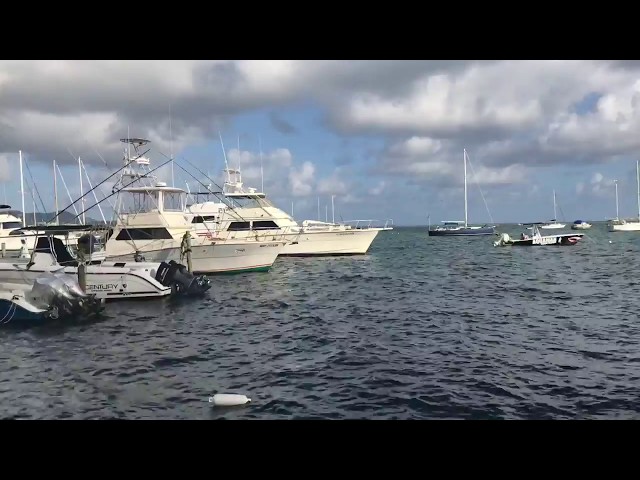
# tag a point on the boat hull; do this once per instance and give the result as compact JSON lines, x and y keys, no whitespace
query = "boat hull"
{"x":625,"y":227}
{"x":106,"y":283}
{"x":19,"y":313}
{"x":345,"y":242}
{"x":460,"y":232}
{"x":553,"y":226}
{"x":565,"y":239}
{"x":214,"y":257}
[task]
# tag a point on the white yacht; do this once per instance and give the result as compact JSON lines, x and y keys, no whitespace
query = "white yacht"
{"x":13,"y":241}
{"x":155,"y":230}
{"x":630,"y":224}
{"x":252,"y":216}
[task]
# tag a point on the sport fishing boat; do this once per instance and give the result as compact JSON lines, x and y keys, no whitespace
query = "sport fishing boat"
{"x":106,"y":280}
{"x":249,"y":214}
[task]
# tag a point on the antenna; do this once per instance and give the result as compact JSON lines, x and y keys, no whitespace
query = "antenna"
{"x":24,"y":217}
{"x":225,"y":157}
{"x":261,"y":169}
{"x":318,"y":208}
{"x":333,"y":210}
{"x":238,"y":151}
{"x":326,"y":213}
{"x":173,"y":183}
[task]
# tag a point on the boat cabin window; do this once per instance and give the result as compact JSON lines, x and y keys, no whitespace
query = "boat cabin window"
{"x":265,"y":225}
{"x":202,"y":219}
{"x":173,"y":202}
{"x":238,"y":226}
{"x":143,"y":234}
{"x":8,"y":225}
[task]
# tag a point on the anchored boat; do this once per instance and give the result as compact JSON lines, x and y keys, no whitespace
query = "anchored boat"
{"x":536,"y":238}
{"x":51,"y":297}
{"x":106,"y":279}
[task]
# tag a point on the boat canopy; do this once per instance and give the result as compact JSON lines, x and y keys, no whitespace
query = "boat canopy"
{"x":578,"y":222}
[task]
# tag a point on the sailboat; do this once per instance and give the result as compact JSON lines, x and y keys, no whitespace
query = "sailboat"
{"x":626,"y":225}
{"x":553,"y":224}
{"x":457,"y":227}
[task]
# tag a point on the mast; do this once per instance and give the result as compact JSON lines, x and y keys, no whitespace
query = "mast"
{"x":326,"y":213}
{"x":173,"y":183}
{"x":318,"y":208}
{"x":555,"y":215}
{"x":465,"y":188}
{"x":638,"y":182}
{"x":616,"y":184}
{"x":24,"y":217}
{"x":261,"y":169}
{"x":55,"y":191}
{"x":81,"y":192}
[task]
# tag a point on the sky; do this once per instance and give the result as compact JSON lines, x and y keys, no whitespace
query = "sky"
{"x":386,"y":138}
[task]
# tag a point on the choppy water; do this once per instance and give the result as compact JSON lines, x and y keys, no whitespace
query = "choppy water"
{"x":420,"y":328}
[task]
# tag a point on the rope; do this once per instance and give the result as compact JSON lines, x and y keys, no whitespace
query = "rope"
{"x":482,"y":194}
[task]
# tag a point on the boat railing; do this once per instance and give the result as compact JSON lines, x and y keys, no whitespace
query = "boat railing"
{"x":368,"y":223}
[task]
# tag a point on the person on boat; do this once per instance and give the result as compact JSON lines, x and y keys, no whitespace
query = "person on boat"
{"x":24,"y":251}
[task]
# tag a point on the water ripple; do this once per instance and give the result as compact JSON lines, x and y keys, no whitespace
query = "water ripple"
{"x":421,"y":328}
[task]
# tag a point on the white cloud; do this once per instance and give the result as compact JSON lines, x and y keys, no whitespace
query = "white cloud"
{"x":429,"y":160}
{"x":378,"y":189}
{"x":301,"y":180}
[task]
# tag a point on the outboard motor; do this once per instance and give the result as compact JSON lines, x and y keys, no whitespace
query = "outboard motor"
{"x":62,"y":296}
{"x":180,"y":280}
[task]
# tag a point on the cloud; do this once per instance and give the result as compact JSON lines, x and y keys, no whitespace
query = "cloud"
{"x":280,"y":124}
{"x":301,"y":180}
{"x":428,"y":160}
{"x":511,"y":116}
{"x":5,"y":168}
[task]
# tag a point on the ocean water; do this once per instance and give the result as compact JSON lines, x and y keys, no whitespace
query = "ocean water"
{"x":420,"y":328}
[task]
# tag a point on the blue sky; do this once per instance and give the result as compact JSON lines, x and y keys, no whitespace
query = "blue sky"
{"x":386,"y":138}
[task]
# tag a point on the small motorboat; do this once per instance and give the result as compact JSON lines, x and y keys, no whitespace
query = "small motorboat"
{"x":580,"y":225}
{"x":536,"y":238}
{"x":52,"y":297}
{"x":107,"y":280}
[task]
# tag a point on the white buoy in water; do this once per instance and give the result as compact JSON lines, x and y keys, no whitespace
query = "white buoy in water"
{"x":228,"y":400}
{"x":610,"y":241}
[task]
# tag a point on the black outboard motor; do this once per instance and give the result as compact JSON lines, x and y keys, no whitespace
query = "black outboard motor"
{"x":87,"y":243}
{"x":180,"y":280}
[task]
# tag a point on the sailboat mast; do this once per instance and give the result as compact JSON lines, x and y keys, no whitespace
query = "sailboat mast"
{"x":465,"y":188}
{"x":55,"y":191}
{"x":81,"y":192}
{"x":555,"y":215}
{"x":617,"y":214}
{"x":24,"y":216}
{"x":638,"y":182}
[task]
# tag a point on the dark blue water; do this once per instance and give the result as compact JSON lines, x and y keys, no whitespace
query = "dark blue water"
{"x":420,"y":328}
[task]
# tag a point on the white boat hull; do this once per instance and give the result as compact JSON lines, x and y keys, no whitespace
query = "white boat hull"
{"x":625,"y":227}
{"x":347,"y":242}
{"x":210,"y":257}
{"x":581,"y":226}
{"x":104,"y":282}
{"x":553,"y":226}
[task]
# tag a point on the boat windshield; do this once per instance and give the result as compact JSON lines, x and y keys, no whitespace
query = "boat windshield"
{"x":149,"y":201}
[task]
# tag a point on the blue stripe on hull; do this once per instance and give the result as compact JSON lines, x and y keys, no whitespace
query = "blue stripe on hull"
{"x":463,"y":232}
{"x":13,"y":315}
